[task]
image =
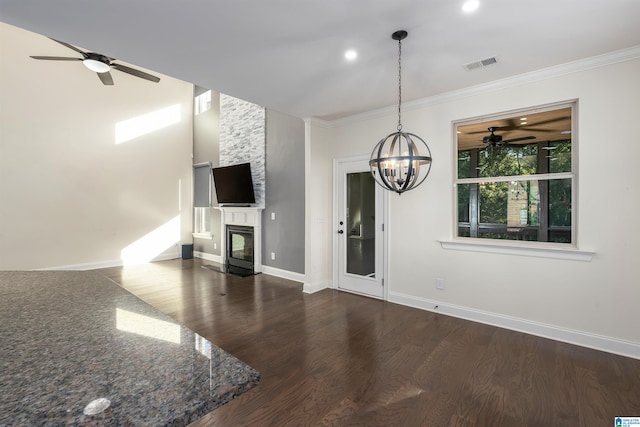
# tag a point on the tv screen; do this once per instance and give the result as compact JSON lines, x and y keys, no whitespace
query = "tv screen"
{"x":234,"y":184}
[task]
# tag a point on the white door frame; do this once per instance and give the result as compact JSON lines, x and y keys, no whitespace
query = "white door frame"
{"x":336,"y":218}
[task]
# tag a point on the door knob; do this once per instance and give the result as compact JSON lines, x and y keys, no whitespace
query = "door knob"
{"x":340,"y":231}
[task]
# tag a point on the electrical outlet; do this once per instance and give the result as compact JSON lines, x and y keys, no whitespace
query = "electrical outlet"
{"x":215,"y":246}
{"x":273,"y":216}
{"x":440,"y":284}
{"x":273,"y":255}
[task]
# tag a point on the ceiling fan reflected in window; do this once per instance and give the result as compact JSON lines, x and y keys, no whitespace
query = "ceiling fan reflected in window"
{"x":494,"y":140}
{"x":549,"y":125}
{"x":100,"y":64}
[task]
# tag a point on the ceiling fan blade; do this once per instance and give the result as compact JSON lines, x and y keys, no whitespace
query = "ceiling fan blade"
{"x":135,"y":72}
{"x":538,"y":130}
{"x":106,"y":78}
{"x":556,"y":119}
{"x":84,"y":54}
{"x":479,"y":131}
{"x":57,"y":58}
{"x":495,"y":128}
{"x":523,"y":138}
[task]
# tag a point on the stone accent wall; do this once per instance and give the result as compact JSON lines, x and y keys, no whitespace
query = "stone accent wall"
{"x":242,"y":139}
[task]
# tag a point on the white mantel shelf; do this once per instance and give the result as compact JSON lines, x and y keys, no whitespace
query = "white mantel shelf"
{"x":244,"y":216}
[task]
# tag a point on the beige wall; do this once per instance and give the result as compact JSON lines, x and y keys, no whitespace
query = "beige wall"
{"x":318,"y":200}
{"x":69,"y":195}
{"x":599,"y":297}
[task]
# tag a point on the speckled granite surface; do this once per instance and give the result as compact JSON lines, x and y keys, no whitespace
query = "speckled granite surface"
{"x":67,"y":338}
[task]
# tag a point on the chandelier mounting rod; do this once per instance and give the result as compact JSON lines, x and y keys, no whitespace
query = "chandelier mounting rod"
{"x":399,"y":36}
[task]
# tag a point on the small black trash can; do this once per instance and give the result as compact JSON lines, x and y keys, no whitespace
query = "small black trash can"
{"x":187,"y":251}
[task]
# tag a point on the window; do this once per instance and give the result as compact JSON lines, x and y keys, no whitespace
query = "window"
{"x":202,"y":221}
{"x":515,"y":176}
{"x":202,"y":200}
{"x":202,"y":103}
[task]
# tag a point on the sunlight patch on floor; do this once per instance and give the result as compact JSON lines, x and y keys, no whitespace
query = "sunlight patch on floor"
{"x":152,"y":244}
{"x":406,"y":391}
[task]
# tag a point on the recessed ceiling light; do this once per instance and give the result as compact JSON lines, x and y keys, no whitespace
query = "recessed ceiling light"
{"x":350,"y":55}
{"x":470,"y":6}
{"x":565,"y":132}
{"x":523,"y":119}
{"x":523,"y":123}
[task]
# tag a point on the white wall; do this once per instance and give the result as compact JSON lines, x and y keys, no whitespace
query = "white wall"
{"x":598,"y":298}
{"x":318,"y":199}
{"x":69,"y":195}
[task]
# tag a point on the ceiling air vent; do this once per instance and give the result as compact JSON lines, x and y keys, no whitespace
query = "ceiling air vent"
{"x":479,"y":64}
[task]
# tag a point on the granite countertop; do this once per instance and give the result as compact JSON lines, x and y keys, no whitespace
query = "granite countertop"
{"x":69,"y":338}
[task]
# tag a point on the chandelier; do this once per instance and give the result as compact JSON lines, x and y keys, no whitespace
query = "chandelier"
{"x":396,"y":161}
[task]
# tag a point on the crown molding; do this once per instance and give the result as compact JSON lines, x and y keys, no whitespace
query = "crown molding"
{"x":314,"y":121}
{"x":606,"y":59}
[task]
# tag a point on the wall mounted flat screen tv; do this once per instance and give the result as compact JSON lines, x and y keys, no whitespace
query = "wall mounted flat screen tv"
{"x":234,"y":184}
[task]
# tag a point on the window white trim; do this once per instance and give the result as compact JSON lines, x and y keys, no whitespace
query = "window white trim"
{"x":536,"y":177}
{"x":539,"y":249}
{"x":514,"y":247}
{"x":203,"y":235}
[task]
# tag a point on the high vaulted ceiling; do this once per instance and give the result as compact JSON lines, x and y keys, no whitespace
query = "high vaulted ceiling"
{"x":289,"y":54}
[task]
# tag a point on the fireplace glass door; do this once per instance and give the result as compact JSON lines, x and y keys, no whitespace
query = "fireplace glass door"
{"x":240,"y":247}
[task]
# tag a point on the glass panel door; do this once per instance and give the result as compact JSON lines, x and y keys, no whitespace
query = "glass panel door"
{"x":361,"y":221}
{"x":359,"y":239}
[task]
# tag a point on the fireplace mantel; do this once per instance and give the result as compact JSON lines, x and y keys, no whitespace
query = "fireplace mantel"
{"x":248,"y":217}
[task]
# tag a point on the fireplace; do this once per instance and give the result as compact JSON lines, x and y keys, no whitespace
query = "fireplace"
{"x":246,"y":231}
{"x":240,"y":248}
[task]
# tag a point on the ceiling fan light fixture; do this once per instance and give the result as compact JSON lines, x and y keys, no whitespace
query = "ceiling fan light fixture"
{"x":95,"y":65}
{"x":99,"y":64}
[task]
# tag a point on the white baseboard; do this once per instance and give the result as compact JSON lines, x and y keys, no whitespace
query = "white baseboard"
{"x":102,"y":264}
{"x":597,"y":342}
{"x":208,"y":257}
{"x":310,"y":288}
{"x":285,"y":274}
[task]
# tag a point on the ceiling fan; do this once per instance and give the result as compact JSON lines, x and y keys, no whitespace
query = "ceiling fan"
{"x":494,"y":140}
{"x":99,"y":63}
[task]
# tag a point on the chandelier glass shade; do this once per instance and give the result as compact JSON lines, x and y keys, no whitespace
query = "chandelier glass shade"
{"x":400,"y":161}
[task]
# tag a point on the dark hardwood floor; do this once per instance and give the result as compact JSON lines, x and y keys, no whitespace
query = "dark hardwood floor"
{"x":334,"y":358}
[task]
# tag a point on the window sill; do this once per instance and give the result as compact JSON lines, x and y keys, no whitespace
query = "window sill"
{"x":202,"y":236}
{"x":514,"y":248}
